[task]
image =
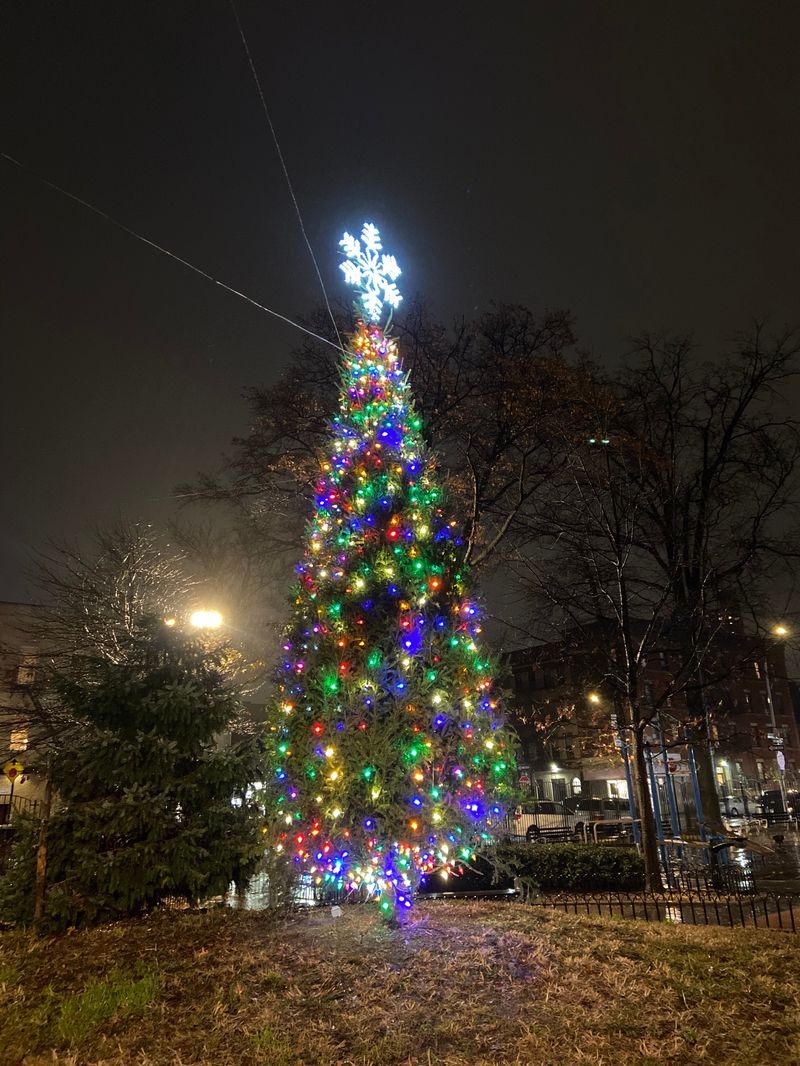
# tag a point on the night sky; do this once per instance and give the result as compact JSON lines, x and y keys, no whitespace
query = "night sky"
{"x":637,"y":163}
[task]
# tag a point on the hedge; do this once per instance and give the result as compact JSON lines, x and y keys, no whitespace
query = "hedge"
{"x":572,"y":867}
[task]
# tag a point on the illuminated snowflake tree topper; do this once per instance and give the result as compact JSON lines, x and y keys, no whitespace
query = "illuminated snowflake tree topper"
{"x":373,"y":273}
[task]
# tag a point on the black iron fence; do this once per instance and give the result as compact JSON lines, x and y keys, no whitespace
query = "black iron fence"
{"x":11,"y":805}
{"x":757,"y":911}
{"x":731,"y":866}
{"x":765,"y":910}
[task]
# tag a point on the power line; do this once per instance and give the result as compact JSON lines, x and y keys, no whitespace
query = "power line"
{"x":285,"y":169}
{"x":165,"y":251}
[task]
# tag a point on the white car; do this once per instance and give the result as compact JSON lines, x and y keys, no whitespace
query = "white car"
{"x":733,"y":806}
{"x":542,"y":820}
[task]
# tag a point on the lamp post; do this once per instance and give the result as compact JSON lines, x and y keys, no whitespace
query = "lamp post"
{"x":622,"y":744}
{"x":778,"y":631}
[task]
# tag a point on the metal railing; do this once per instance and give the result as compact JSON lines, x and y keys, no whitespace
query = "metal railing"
{"x":765,"y":910}
{"x":758,"y":911}
{"x":11,"y":805}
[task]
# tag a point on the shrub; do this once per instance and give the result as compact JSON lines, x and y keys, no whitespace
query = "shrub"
{"x":145,"y":792}
{"x":572,"y":867}
{"x":17,"y":882}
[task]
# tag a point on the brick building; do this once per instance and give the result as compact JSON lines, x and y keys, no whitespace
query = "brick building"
{"x":18,"y":666}
{"x":571,"y":745}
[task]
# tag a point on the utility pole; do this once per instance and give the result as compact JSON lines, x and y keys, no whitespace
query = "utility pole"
{"x":777,"y":738}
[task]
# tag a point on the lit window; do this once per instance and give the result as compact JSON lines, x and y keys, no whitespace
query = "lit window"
{"x":19,"y":740}
{"x":26,"y":671}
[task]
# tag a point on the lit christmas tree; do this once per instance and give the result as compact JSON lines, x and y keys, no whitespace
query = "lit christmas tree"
{"x":390,"y":758}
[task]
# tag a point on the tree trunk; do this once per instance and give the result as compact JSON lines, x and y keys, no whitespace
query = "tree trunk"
{"x":697,"y":736}
{"x":644,"y":805}
{"x":41,"y":854}
{"x":709,"y":797}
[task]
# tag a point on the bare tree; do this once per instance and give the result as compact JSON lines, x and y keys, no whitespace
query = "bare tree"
{"x":490,"y":393}
{"x":594,"y":589}
{"x":93,"y":597}
{"x":718,"y":496}
{"x":682,"y":493}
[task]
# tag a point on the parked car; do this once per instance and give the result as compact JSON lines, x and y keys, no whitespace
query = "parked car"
{"x":773,"y":804}
{"x":542,"y":820}
{"x":733,"y":806}
{"x":478,"y":880}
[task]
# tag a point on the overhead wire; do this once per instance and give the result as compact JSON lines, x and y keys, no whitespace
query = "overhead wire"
{"x":285,"y":169}
{"x":165,"y":251}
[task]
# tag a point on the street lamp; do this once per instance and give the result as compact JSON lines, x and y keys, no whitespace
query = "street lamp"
{"x":621,"y":744}
{"x":204,"y":619}
{"x":778,"y":631}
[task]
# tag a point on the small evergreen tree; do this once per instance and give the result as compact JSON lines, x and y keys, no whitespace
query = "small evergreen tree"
{"x":144,"y":792}
{"x":389,"y":756}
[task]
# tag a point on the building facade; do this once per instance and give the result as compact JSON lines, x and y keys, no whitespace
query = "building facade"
{"x":566,"y":718}
{"x":19,"y":662}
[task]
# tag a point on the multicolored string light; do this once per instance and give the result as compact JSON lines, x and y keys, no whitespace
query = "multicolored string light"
{"x":390,"y":758}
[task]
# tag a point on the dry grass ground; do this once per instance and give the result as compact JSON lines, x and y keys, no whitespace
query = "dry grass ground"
{"x":469,"y":983}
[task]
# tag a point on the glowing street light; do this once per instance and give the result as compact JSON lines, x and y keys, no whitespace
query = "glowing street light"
{"x":622,"y":745}
{"x":206,"y":619}
{"x":778,"y":631}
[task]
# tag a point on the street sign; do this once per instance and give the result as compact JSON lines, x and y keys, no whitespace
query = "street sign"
{"x":13,"y":769}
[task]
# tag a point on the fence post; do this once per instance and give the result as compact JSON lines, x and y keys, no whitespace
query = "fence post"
{"x":656,"y":807}
{"x":629,"y":779}
{"x":669,"y":785}
{"x":698,"y":803}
